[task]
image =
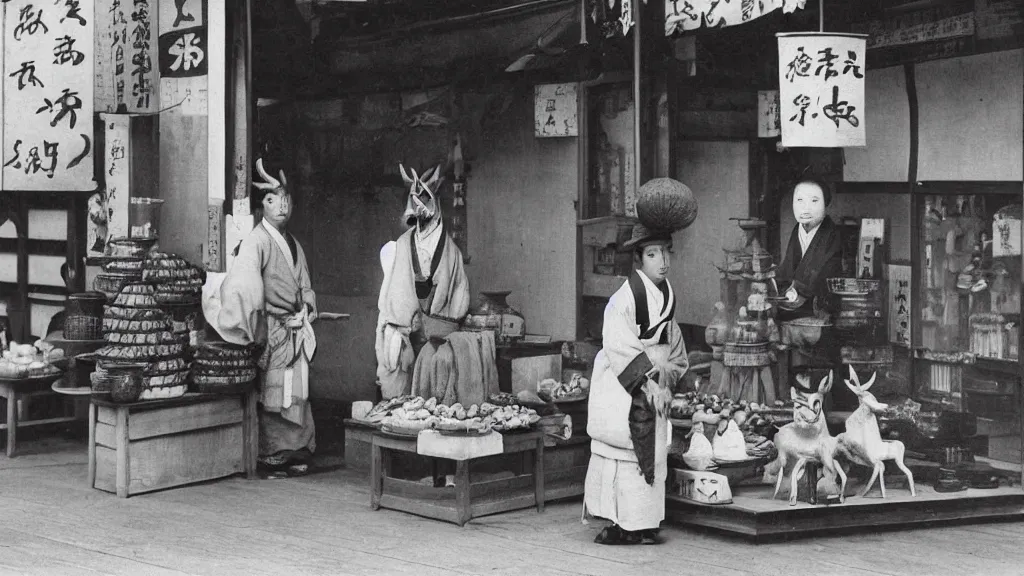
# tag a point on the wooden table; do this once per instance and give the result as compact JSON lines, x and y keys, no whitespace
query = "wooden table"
{"x":14,"y":390}
{"x":469,"y":500}
{"x":146,"y":446}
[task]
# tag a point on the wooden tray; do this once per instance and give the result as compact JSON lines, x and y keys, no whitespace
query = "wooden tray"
{"x":58,"y":386}
{"x":33,"y":380}
{"x":572,"y":398}
{"x":396,"y":434}
{"x":463,"y":433}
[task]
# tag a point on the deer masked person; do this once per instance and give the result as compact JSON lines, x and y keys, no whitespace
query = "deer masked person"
{"x":423,"y":277}
{"x":642,"y":358}
{"x":266,"y":298}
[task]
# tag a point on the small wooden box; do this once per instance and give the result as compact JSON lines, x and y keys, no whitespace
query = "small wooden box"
{"x":146,"y":446}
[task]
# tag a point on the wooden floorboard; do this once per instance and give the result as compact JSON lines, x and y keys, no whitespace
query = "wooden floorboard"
{"x":52,"y":523}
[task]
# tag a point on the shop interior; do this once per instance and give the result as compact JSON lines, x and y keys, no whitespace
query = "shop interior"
{"x":338,"y":95}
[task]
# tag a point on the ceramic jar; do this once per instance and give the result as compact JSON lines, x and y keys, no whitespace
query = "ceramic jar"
{"x":127,"y":382}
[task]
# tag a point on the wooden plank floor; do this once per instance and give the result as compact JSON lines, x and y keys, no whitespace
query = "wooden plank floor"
{"x":52,"y":523}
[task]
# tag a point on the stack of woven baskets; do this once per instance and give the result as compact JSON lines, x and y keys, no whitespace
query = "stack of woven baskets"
{"x":139,"y":332}
{"x":122,"y":264}
{"x":224,"y":368}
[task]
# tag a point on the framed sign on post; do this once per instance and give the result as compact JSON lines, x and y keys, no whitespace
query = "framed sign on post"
{"x":556,"y":110}
{"x":899,"y":304}
{"x":821,"y":89}
{"x":48,"y":91}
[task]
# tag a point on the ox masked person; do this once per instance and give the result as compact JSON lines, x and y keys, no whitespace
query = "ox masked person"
{"x":266,"y":298}
{"x":424,"y":280}
{"x":642,"y":358}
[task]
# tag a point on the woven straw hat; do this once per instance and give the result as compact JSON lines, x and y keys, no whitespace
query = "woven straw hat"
{"x":642,"y":235}
{"x":666,"y":204}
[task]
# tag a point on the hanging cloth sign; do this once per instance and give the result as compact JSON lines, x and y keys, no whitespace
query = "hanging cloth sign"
{"x":821,"y":89}
{"x":682,"y":15}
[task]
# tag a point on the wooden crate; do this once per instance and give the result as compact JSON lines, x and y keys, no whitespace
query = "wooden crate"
{"x":146,"y":446}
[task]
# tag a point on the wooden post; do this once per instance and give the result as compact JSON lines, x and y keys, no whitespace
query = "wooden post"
{"x":92,"y":446}
{"x":122,"y":476}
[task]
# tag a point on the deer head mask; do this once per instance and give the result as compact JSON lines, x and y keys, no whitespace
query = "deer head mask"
{"x":807,"y":405}
{"x":861,"y":390}
{"x":423,"y":206}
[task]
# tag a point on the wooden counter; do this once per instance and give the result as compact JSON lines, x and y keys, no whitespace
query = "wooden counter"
{"x":146,"y":446}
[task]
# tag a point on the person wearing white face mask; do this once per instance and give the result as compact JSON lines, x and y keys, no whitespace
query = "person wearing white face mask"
{"x":642,"y":358}
{"x":814,"y":253}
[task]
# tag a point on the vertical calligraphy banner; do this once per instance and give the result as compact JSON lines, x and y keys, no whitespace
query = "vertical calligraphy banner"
{"x":143,"y":51}
{"x":111,"y":84}
{"x":48,"y":94}
{"x":821,"y":89}
{"x":183,"y":52}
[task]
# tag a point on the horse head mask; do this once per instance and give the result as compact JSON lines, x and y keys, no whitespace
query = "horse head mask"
{"x":423,"y":206}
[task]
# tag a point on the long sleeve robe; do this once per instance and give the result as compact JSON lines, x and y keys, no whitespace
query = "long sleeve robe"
{"x":807,"y":272}
{"x":404,"y":295}
{"x":261,"y":290}
{"x":628,"y":419}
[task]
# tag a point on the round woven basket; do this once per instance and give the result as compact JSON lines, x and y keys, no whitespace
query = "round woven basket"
{"x":666,"y":204}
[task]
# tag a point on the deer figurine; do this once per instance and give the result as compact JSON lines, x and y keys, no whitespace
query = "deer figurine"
{"x":806,"y":439}
{"x":862,"y":442}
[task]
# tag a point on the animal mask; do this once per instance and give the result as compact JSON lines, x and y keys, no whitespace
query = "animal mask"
{"x":861,"y":390}
{"x":423,"y":206}
{"x":807,"y":405}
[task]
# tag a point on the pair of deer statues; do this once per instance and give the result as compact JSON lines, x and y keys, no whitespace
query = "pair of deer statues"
{"x":807,"y":439}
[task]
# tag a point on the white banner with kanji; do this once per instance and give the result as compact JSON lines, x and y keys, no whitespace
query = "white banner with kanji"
{"x":821,"y":89}
{"x":682,"y":15}
{"x":48,"y":95}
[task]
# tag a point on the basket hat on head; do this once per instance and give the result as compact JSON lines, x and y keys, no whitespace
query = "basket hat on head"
{"x":663,"y":206}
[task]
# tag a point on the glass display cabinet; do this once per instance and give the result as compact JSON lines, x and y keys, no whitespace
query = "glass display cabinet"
{"x":966,"y":322}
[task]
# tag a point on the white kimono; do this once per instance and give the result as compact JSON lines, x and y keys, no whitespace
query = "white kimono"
{"x":400,"y":307}
{"x":615,"y":487}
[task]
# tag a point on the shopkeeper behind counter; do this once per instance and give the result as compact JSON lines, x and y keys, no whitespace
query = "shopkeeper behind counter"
{"x":267,"y":298}
{"x":814,"y":253}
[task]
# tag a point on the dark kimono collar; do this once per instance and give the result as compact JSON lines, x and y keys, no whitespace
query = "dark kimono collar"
{"x":438,"y":252}
{"x":643,"y":316}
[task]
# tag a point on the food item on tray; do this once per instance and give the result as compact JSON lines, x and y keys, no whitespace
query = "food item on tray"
{"x":411,"y":413}
{"x":503,"y":399}
{"x":577,"y":388}
{"x":29,"y":360}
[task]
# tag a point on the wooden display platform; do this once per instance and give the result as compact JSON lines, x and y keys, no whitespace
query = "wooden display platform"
{"x":146,"y":446}
{"x":467,"y":500}
{"x":753,"y":513}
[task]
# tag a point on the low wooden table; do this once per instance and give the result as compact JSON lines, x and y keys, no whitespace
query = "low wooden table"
{"x":146,"y":446}
{"x":469,"y":500}
{"x":13,"y":390}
